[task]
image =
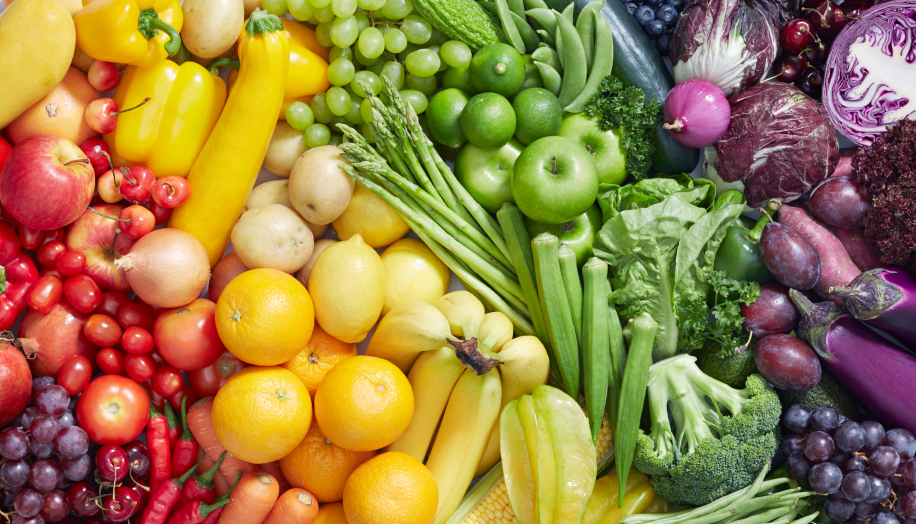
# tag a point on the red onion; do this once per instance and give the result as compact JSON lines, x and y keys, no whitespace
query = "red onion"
{"x":696,"y":113}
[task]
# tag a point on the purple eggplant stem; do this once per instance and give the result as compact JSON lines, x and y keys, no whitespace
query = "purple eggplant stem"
{"x":884,"y":298}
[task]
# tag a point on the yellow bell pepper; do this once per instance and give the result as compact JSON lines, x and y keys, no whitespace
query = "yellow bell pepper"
{"x":133,"y":32}
{"x":167,"y":133}
{"x":308,"y":66}
{"x":228,"y":165}
{"x":640,"y":498}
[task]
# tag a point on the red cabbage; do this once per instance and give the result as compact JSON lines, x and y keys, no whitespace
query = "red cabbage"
{"x":779,"y":144}
{"x":870,"y":78}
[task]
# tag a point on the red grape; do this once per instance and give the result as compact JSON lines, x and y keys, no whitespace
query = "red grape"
{"x":14,"y":443}
{"x":15,"y":473}
{"x":909,"y":473}
{"x":53,"y":400}
{"x":903,"y":442}
{"x":28,"y":502}
{"x":818,"y":447}
{"x":71,"y":442}
{"x":55,"y":507}
{"x":66,"y":420}
{"x":880,"y":489}
{"x":883,"y":461}
{"x":42,"y":449}
{"x":825,"y":478}
{"x":856,"y":486}
{"x":838,"y":507}
{"x":849,"y":437}
{"x":874,"y":434}
{"x":77,"y":468}
{"x":824,"y":418}
{"x":45,"y":475}
{"x":797,"y":418}
{"x":44,"y":428}
{"x":798,"y":465}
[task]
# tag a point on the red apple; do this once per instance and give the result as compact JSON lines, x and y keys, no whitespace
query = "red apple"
{"x":92,"y":235}
{"x":50,"y":339}
{"x":15,"y":382}
{"x":46,"y":182}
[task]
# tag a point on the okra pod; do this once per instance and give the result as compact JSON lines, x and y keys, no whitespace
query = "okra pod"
{"x":595,"y":341}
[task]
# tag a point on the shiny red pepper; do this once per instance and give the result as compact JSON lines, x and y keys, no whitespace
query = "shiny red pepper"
{"x":174,"y":425}
{"x":213,"y":517}
{"x":164,"y":498}
{"x":17,"y":275}
{"x":201,"y":487}
{"x":196,"y":512}
{"x":185,"y":449}
{"x":157,"y":440}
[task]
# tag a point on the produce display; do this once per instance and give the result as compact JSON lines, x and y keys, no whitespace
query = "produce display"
{"x":457,"y":262}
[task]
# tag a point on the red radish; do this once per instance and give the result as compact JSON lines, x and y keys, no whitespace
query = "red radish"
{"x":110,"y":185}
{"x":15,"y":382}
{"x":696,"y":113}
{"x":137,"y":185}
{"x":49,"y":339}
{"x":99,"y":154}
{"x":171,"y":191}
{"x":103,"y":76}
{"x":135,"y":220}
{"x":860,"y":250}
{"x":102,"y":114}
{"x":94,"y":236}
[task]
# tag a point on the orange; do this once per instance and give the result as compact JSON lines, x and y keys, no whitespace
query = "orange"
{"x":331,"y":514}
{"x":364,"y":403}
{"x":322,"y":354}
{"x":261,"y":414}
{"x":61,"y":112}
{"x":265,"y":317}
{"x":392,"y":488}
{"x":321,"y":467}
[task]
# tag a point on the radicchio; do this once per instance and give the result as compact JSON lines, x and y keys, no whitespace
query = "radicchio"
{"x":730,"y":43}
{"x":779,"y":144}
{"x":870,"y":78}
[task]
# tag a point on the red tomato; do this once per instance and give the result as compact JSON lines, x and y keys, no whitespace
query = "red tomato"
{"x":175,"y":400}
{"x":187,"y":336}
{"x":71,"y":263}
{"x":157,"y":399}
{"x":75,"y":374}
{"x":83,"y":293}
{"x":137,"y":340}
{"x":157,"y":358}
{"x":112,"y":410}
{"x":112,"y":302}
{"x":102,"y":330}
{"x":49,"y":252}
{"x":110,"y":361}
{"x":167,"y":381}
{"x":45,"y":293}
{"x":207,"y":381}
{"x":54,"y":235}
{"x":45,"y":271}
{"x":30,"y":238}
{"x":139,"y":315}
{"x":139,"y":367}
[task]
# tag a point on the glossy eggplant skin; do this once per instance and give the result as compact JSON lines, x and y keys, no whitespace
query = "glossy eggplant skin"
{"x":885,"y":299}
{"x":875,"y":371}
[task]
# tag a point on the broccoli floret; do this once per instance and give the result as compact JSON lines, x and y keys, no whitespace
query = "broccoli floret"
{"x":706,"y":439}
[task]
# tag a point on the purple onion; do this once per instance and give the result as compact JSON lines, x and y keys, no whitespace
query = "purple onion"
{"x":696,"y":113}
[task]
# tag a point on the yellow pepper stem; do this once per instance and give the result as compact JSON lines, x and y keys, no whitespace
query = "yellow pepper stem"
{"x":149,"y":25}
{"x":261,"y":22}
{"x":217,"y":63}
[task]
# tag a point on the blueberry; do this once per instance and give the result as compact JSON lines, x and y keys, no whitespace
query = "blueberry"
{"x":644,"y":15}
{"x":655,"y":28}
{"x":678,"y":4}
{"x":631,"y":7}
{"x":667,"y":14}
{"x":654,"y":3}
{"x":663,"y":44}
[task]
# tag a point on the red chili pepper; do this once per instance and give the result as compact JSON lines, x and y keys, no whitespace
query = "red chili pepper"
{"x":164,"y":498}
{"x":186,"y":447}
{"x":196,"y":512}
{"x":213,"y":518}
{"x":174,"y":425}
{"x":157,"y":440}
{"x":201,"y":487}
{"x":18,"y":276}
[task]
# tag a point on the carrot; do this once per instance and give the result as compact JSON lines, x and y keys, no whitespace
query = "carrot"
{"x":274,"y":469}
{"x":201,"y":424}
{"x":252,"y":499}
{"x":296,"y":506}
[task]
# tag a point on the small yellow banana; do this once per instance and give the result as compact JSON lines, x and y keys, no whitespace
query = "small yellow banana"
{"x":408,"y":330}
{"x":463,"y":312}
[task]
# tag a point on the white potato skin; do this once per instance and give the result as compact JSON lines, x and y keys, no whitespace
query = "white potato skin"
{"x":211,"y":27}
{"x":318,"y":189}
{"x":273,"y":236}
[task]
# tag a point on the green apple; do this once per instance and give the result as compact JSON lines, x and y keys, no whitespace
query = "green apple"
{"x":609,"y":155}
{"x":487,"y":175}
{"x":554,"y":180}
{"x":579,"y":233}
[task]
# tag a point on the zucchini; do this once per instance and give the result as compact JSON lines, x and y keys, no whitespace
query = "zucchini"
{"x":462,"y":20}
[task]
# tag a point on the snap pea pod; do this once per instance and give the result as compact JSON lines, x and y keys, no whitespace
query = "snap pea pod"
{"x":548,"y":56}
{"x":559,"y":38}
{"x":546,"y":38}
{"x":552,"y":80}
{"x":570,"y":273}
{"x":575,"y":72}
{"x":546,"y":18}
{"x":491,"y":7}
{"x":526,"y":32}
{"x":602,"y":65}
{"x":569,"y":12}
{"x":517,"y":6}
{"x":536,"y":4}
{"x":508,"y":25}
{"x":585,"y":26}
{"x":595,"y":355}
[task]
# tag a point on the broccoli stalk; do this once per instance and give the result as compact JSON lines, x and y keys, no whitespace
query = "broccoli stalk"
{"x":706,"y":438}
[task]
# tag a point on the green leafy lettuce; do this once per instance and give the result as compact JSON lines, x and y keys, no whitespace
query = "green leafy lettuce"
{"x":660,"y":238}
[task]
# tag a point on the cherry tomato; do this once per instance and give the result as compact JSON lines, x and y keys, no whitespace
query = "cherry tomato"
{"x":45,"y":293}
{"x":171,"y":191}
{"x":49,"y":252}
{"x":207,"y":381}
{"x":112,"y":302}
{"x":161,"y":214}
{"x":175,"y":400}
{"x":167,"y":381}
{"x":83,"y":293}
{"x":54,"y":235}
{"x":187,"y":336}
{"x":75,"y":374}
{"x":112,"y":410}
{"x":45,"y":271}
{"x":156,"y":309}
{"x":110,"y":361}
{"x":157,"y":358}
{"x":71,"y":263}
{"x":137,"y":340}
{"x":157,"y":399}
{"x":139,"y":367}
{"x":102,"y":330}
{"x":30,"y":238}
{"x":139,"y":315}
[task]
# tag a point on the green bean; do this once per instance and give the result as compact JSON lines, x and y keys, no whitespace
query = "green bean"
{"x":550,"y":77}
{"x":604,"y":61}
{"x":508,"y":24}
{"x":594,"y":341}
{"x":491,"y":7}
{"x":526,"y":31}
{"x":765,"y":516}
{"x":575,"y":70}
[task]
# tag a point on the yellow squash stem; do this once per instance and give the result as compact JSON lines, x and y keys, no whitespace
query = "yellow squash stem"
{"x":227,"y":167}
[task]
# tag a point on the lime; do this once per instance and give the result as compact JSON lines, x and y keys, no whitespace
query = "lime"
{"x":497,"y":68}
{"x":458,"y":77}
{"x":444,"y":117}
{"x":539,"y":114}
{"x":488,"y":121}
{"x":532,"y":75}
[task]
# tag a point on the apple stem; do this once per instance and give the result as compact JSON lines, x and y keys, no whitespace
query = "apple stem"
{"x":113,"y":218}
{"x":141,"y":104}
{"x":553,"y":169}
{"x":676,"y":126}
{"x":78,"y":161}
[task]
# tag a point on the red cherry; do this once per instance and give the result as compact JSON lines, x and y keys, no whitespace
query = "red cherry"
{"x":102,"y":114}
{"x":137,"y":185}
{"x":136,"y":221}
{"x":788,"y":67}
{"x":811,"y":82}
{"x":828,"y":18}
{"x":816,"y":55}
{"x":796,"y":35}
{"x":103,"y":76}
{"x":171,"y":191}
{"x":98,"y":152}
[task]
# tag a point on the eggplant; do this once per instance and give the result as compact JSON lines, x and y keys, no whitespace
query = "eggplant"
{"x":875,"y":371}
{"x":884,"y":299}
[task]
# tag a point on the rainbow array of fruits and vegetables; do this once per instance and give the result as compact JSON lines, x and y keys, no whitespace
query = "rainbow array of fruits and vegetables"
{"x":457,"y":261}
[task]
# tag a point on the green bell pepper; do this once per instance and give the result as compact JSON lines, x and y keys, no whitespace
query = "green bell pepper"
{"x":739,"y":254}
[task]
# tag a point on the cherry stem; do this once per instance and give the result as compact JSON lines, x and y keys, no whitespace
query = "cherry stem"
{"x":110,"y":165}
{"x":127,"y":220}
{"x":171,"y":188}
{"x":77,"y":161}
{"x":141,"y":104}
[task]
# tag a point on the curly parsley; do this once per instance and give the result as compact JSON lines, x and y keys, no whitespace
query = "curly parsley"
{"x":617,"y":105}
{"x":726,"y":328}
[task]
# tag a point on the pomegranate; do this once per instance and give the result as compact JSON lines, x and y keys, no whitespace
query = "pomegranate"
{"x":15,"y":380}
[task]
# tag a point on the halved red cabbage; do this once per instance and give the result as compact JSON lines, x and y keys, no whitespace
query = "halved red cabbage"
{"x":870,"y":78}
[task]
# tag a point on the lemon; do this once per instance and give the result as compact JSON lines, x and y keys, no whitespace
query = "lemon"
{"x":347,"y":286}
{"x":412,"y":272}
{"x":369,"y":216}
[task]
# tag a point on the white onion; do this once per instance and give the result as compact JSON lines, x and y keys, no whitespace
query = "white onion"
{"x":166,"y":268}
{"x":696,"y":113}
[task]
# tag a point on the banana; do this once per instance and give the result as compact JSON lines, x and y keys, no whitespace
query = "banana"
{"x":525,"y":365}
{"x":462,"y":311}
{"x":432,"y":378}
{"x":495,"y":331}
{"x":408,"y":330}
{"x":468,"y":421}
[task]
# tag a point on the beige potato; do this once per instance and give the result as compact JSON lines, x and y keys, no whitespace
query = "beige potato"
{"x":277,"y":192}
{"x":250,"y":6}
{"x":286,"y":146}
{"x":320,"y":245}
{"x":81,"y":60}
{"x":273,"y":236}
{"x":318,"y":189}
{"x":211,"y":27}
